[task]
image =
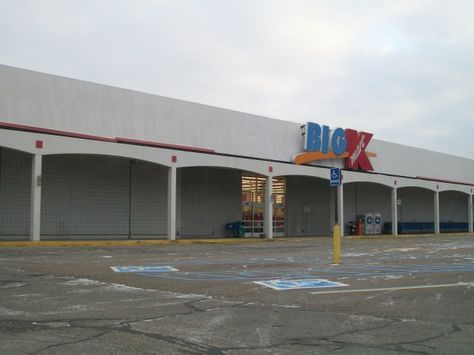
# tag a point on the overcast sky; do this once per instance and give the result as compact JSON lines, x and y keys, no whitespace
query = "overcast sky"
{"x":403,"y":70}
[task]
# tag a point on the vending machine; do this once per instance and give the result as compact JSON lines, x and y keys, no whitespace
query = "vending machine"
{"x":377,"y":223}
{"x":369,"y":223}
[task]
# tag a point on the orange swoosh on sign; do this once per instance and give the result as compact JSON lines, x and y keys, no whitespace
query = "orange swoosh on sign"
{"x":307,"y":157}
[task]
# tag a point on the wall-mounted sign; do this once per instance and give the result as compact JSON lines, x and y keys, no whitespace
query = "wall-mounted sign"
{"x":335,"y":177}
{"x":321,"y":143}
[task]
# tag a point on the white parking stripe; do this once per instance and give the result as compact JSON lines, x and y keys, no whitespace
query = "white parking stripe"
{"x":458,"y":284}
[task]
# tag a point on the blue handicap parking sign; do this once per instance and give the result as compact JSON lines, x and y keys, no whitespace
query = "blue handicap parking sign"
{"x":298,"y":284}
{"x":144,"y":268}
{"x":335,"y":177}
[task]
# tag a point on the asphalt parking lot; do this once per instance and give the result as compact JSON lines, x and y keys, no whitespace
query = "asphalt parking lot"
{"x":390,"y":296}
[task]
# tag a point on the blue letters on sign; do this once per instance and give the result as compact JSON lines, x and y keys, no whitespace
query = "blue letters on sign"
{"x":325,"y":147}
{"x":319,"y":139}
{"x":313,"y":137}
{"x":339,"y":141}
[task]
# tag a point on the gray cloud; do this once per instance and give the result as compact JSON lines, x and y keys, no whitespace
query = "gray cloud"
{"x":401,"y":69}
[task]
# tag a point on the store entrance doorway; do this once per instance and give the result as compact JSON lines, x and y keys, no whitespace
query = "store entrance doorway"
{"x":253,"y":205}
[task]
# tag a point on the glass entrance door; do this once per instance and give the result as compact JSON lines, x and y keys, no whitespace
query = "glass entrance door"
{"x":253,"y":205}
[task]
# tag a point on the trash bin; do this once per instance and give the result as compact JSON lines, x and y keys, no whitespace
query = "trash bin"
{"x":234,"y":229}
{"x":351,"y":228}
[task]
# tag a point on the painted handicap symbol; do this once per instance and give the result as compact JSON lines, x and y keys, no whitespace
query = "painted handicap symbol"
{"x":298,"y":284}
{"x":144,"y":268}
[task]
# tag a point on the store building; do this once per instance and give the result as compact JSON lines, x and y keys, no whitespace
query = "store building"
{"x":83,"y":160}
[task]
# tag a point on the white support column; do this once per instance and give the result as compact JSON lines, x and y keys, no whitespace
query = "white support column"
{"x":268,"y":223}
{"x":436,"y":212}
{"x":35,"y":204}
{"x":470,"y":213}
{"x":394,"y":211}
{"x":172,"y":203}
{"x":340,"y":207}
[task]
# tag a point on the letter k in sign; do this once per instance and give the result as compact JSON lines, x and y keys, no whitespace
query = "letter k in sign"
{"x":357,"y":142}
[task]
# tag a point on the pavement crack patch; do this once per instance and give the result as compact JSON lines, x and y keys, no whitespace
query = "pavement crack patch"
{"x":11,"y":284}
{"x":189,"y":345}
{"x":362,"y":330}
{"x":398,"y":346}
{"x":125,"y":327}
{"x":420,"y":341}
{"x":191,"y":305}
{"x":71,"y":342}
{"x":217,"y":304}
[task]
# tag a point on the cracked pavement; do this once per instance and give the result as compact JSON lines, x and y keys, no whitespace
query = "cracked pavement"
{"x":67,"y":300}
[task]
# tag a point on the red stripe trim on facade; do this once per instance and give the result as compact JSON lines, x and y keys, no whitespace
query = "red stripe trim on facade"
{"x":163,"y":145}
{"x":54,"y":132}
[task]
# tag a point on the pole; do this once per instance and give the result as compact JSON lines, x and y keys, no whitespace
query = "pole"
{"x":340,"y":208}
{"x":336,"y":244}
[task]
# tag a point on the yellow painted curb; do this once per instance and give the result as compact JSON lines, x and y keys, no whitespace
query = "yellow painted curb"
{"x":401,"y":236}
{"x":98,"y":243}
{"x":103,"y":243}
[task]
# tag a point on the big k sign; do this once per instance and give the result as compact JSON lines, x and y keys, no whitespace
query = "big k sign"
{"x":321,"y":143}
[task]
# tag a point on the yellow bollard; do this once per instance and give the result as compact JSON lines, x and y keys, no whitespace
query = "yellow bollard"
{"x":336,"y":244}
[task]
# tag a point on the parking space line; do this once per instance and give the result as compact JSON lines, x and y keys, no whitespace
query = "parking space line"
{"x":397,"y":288}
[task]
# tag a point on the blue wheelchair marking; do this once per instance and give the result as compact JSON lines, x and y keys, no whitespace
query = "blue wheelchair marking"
{"x":229,"y":275}
{"x":298,"y":284}
{"x":315,"y":273}
{"x":195,"y":276}
{"x":270,"y":273}
{"x":144,"y":269}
